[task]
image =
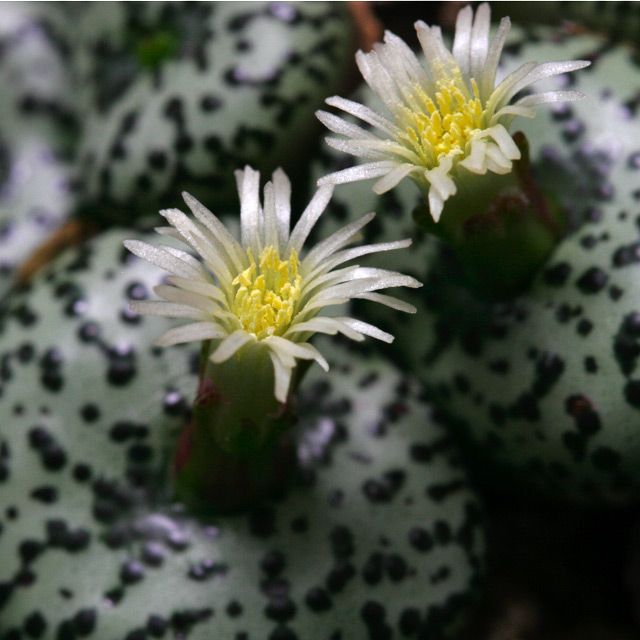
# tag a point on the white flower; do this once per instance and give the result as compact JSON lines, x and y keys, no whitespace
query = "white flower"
{"x":447,"y":115}
{"x":260,"y":290}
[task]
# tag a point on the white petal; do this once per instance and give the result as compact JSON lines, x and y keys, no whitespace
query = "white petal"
{"x":282,"y":375}
{"x":479,"y":40}
{"x":548,"y":97}
{"x":303,"y":351}
{"x":169,"y":232}
{"x":282,"y":188}
{"x":217,"y":228}
{"x":462,"y":39}
{"x":163,"y":257}
{"x":504,"y":140}
{"x":476,"y":160}
{"x":189,"y":298}
{"x":350,"y":254}
{"x":309,"y":217}
{"x":166,"y":309}
{"x":270,"y":222}
{"x":328,"y":326}
{"x":360,"y":172}
{"x":388,"y":182}
{"x":442,"y":186}
{"x":230,"y":345}
{"x":209,"y":252}
{"x":374,"y":149}
{"x":250,"y":211}
{"x":488,"y":78}
{"x":342,"y":127}
{"x":365,"y":114}
{"x":199,"y":286}
{"x":190,"y":333}
{"x":377,"y":77}
{"x":539,"y":72}
{"x":335,"y":241}
{"x":388,"y":301}
{"x":369,"y":330}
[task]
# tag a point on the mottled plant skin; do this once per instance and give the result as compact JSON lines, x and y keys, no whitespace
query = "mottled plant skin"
{"x":94,"y":546}
{"x":545,"y":387}
{"x":175,"y":96}
{"x":37,"y":131}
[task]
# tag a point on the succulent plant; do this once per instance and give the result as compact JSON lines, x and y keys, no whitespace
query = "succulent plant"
{"x":380,"y":534}
{"x":543,"y":384}
{"x":37,"y":126}
{"x":175,"y":96}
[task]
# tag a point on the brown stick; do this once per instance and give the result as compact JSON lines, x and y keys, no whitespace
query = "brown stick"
{"x":368,"y":27}
{"x":70,"y":234}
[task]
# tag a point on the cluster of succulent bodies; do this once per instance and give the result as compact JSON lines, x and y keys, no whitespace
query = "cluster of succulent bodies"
{"x":88,"y":521}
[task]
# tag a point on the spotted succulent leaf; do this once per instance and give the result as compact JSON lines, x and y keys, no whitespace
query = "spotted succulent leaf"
{"x":545,"y":387}
{"x":177,"y":95}
{"x":381,"y":533}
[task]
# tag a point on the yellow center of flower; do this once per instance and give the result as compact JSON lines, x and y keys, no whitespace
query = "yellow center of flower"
{"x":266,"y":293}
{"x":446,"y":124}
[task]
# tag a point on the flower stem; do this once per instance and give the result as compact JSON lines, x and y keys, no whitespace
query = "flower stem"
{"x":238,"y":447}
{"x":502,"y":228}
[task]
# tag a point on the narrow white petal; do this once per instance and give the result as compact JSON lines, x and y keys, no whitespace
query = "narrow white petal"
{"x":270,"y":222}
{"x":499,"y":96}
{"x":328,"y":326}
{"x":488,"y":77}
{"x":303,"y":351}
{"x":230,"y":345}
{"x":374,"y":149}
{"x":388,"y":301}
{"x":217,"y":228}
{"x":163,"y":257}
{"x":357,"y":287}
{"x":442,"y":186}
{"x":497,"y":161}
{"x":199,"y":286}
{"x":309,"y":217}
{"x":166,"y":309}
{"x":416,"y":72}
{"x":539,"y":72}
{"x":479,"y":40}
{"x":249,"y":192}
{"x":438,"y":57}
{"x":282,"y":188}
{"x":373,"y":272}
{"x":476,"y":160}
{"x":342,"y":127}
{"x":335,"y":241}
{"x":505,"y":114}
{"x":190,"y":333}
{"x":282,"y":375}
{"x":504,"y":140}
{"x":360,"y":172}
{"x":462,"y":39}
{"x":388,"y":182}
{"x":368,"y":330}
{"x":548,"y":97}
{"x":436,"y":204}
{"x":327,"y":279}
{"x":367,"y":149}
{"x":350,"y":254}
{"x":169,"y":232}
{"x":378,"y":78}
{"x":365,"y":114}
{"x":189,"y":298}
{"x":200,"y":243}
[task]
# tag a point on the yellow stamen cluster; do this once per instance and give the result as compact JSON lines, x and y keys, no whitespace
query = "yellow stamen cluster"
{"x":266,"y":293}
{"x":446,"y":125}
